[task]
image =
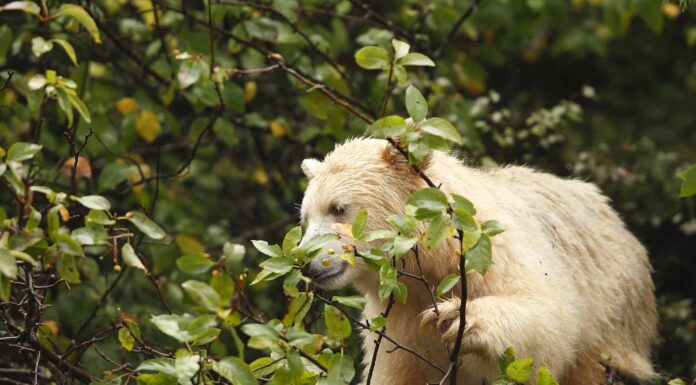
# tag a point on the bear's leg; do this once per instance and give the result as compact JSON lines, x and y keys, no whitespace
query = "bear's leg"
{"x":541,"y":327}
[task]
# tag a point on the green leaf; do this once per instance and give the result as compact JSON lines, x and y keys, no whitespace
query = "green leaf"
{"x":544,"y":377}
{"x":22,"y":151}
{"x":80,"y":106}
{"x":356,"y":301}
{"x":298,"y":308}
{"x":126,"y":338}
{"x":688,"y":177}
{"x":68,"y":48}
{"x":235,"y":371}
{"x":40,"y":46}
{"x":388,"y":126}
{"x":224,"y":286}
{"x":81,"y":16}
{"x":91,"y":235}
{"x":378,"y":234}
{"x":378,"y":323}
{"x":446,"y":284}
{"x":651,"y":13}
{"x":67,"y":268}
{"x":292,"y":238}
{"x":29,"y":7}
{"x":337,"y":325}
{"x":401,"y":292}
{"x":505,"y":359}
{"x":520,"y":370}
{"x":146,"y":225}
{"x":429,"y":202}
{"x":202,"y":294}
{"x":401,"y":48}
{"x":277,"y":265}
{"x":387,"y":281}
{"x":359,"y":223}
{"x":265,"y":248}
{"x":372,"y":58}
{"x":402,"y":245}
{"x":191,"y":71}
{"x":160,"y":365}
{"x":68,"y":245}
{"x":5,"y":287}
{"x":416,"y":59}
{"x":479,"y":257}
{"x":462,"y":220}
{"x":676,"y":381}
{"x":459,"y":202}
{"x":98,"y":217}
{"x":416,"y":105}
{"x":94,"y":202}
{"x":194,"y":264}
{"x":234,"y":255}
{"x":442,"y":128}
{"x":8,"y":264}
{"x":130,"y":258}
{"x":186,"y":365}
{"x":492,"y":228}
{"x":438,"y":229}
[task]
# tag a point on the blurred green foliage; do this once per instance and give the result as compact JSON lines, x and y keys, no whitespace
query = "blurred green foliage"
{"x":127,"y":106}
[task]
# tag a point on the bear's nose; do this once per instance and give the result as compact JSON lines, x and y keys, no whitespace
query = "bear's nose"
{"x":309,"y":271}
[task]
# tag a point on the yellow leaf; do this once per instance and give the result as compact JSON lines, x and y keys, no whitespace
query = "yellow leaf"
{"x":671,"y":10}
{"x":10,"y":97}
{"x":148,"y":125}
{"x":126,"y":105}
{"x":189,"y":244}
{"x":278,"y":128}
{"x":261,"y":177}
{"x":249,"y":90}
{"x":147,"y":10}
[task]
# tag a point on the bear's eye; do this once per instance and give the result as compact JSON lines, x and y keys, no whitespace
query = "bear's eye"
{"x":336,"y":209}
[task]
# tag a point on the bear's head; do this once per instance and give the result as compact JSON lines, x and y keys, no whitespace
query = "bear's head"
{"x":359,"y":174}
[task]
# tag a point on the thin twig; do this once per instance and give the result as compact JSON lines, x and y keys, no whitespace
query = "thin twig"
{"x":453,"y":31}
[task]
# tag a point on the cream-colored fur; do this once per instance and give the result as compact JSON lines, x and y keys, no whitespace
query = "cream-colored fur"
{"x":569,"y":282}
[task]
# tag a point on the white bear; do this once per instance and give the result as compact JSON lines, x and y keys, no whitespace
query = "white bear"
{"x":570,"y":285}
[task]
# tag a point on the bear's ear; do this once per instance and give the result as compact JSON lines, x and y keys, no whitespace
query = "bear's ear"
{"x":310,"y":167}
{"x":396,"y":159}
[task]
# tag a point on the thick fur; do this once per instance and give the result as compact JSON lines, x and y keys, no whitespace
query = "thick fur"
{"x":569,"y":284}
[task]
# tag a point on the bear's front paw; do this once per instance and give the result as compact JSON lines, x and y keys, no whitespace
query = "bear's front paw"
{"x":446,"y":319}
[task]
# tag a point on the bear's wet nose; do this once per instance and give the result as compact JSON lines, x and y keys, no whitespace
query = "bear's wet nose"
{"x":309,"y":271}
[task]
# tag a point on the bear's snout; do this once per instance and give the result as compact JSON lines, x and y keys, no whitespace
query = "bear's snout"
{"x":326,"y":272}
